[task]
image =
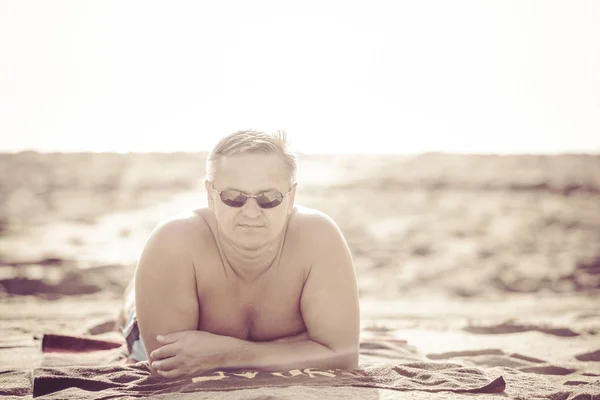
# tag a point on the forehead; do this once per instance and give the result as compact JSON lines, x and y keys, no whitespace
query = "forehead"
{"x":252,"y":172}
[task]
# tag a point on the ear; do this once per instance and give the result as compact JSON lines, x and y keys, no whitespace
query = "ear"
{"x":292,"y":198}
{"x":209,"y":194}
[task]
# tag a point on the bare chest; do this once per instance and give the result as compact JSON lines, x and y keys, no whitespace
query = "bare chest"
{"x":267,"y":311}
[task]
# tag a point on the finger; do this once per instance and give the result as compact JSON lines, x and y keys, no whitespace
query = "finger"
{"x":166,"y":351}
{"x":174,"y":373}
{"x":171,"y":337}
{"x":167,"y":364}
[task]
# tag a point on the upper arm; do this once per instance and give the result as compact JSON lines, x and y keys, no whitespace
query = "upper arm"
{"x":329,"y":304}
{"x":165,"y":284}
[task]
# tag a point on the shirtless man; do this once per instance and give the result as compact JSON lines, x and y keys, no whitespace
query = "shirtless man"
{"x":252,"y":281}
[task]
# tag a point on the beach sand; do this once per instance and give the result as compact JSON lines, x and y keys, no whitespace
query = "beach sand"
{"x":485,"y":261}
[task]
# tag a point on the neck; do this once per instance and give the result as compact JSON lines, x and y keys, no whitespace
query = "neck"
{"x":249,"y":264}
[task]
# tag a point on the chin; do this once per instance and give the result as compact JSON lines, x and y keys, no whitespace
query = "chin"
{"x":250,"y":244}
{"x":246,"y":240}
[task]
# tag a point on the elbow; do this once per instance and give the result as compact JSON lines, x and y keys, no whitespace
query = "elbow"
{"x":352,"y":361}
{"x":347,"y":363}
{"x":347,"y":360}
{"x":344,"y":357}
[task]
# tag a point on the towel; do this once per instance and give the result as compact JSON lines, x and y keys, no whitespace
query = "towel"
{"x":135,"y":380}
{"x":63,"y":350}
{"x":76,"y":344}
{"x":385,"y":364}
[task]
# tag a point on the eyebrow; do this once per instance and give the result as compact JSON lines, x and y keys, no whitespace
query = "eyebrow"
{"x":260,"y":191}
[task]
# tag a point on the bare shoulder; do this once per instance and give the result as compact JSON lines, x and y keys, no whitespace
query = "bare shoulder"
{"x":329,"y":301}
{"x":165,"y":284}
{"x":181,"y":230}
{"x":304,"y":217}
{"x":172,"y":244}
{"x":314,"y":228}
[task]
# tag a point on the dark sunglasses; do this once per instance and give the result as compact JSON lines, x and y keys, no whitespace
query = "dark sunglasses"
{"x":235,"y":198}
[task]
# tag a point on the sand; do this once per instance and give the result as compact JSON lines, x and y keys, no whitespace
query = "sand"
{"x":487,"y":261}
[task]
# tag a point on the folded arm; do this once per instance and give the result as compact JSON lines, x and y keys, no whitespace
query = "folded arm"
{"x":165,"y":285}
{"x":329,"y":307}
{"x":284,"y":356}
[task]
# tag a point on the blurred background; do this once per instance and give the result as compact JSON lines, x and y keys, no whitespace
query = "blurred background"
{"x":456,"y":143}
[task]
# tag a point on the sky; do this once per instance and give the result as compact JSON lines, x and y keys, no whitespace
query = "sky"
{"x":338,"y":76}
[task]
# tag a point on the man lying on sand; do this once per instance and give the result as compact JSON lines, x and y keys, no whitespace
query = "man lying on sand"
{"x":251,"y":281}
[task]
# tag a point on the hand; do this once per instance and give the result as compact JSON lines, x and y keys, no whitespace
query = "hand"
{"x":192,"y":352}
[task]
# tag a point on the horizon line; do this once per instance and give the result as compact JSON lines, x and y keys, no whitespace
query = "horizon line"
{"x":305,"y":153}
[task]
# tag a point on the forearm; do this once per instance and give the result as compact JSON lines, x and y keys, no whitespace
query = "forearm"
{"x":283,"y":356}
{"x":288,"y":339}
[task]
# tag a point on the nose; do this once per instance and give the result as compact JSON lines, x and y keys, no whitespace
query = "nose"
{"x":251,"y":208}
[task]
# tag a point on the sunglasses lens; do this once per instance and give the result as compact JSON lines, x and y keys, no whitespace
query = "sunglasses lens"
{"x":233,"y":198}
{"x":269,"y":199}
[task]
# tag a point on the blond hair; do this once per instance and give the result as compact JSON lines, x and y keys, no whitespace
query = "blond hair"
{"x":252,"y":142}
